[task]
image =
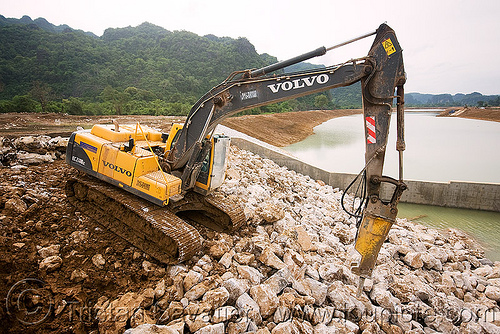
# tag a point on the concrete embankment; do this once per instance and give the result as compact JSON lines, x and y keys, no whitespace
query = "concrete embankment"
{"x":453,"y":194}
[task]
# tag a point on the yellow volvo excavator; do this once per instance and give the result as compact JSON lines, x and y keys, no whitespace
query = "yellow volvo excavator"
{"x":163,"y":182}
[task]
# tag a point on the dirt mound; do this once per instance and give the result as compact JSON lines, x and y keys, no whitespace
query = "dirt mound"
{"x":76,"y":259}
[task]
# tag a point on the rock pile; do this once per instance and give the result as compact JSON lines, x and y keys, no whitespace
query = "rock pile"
{"x":31,"y":150}
{"x":287,"y":271}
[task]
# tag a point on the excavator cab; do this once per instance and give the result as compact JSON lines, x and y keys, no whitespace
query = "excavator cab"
{"x":212,"y":170}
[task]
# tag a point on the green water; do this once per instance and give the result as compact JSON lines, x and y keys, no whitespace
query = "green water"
{"x":484,"y":226}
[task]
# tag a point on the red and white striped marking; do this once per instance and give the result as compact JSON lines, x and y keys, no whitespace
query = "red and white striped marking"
{"x":370,"y":127}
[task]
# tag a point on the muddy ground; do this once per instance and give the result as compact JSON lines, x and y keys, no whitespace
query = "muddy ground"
{"x":51,"y":220}
{"x":29,"y":124}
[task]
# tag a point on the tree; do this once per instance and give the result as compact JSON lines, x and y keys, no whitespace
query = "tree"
{"x":21,"y":103}
{"x":42,"y":93}
{"x":495,"y":101}
{"x":73,"y":106}
{"x":321,"y":101}
{"x":139,"y":94}
{"x":117,"y":99}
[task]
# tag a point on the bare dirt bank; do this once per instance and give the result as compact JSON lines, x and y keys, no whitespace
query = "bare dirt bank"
{"x":285,"y":128}
{"x":486,"y":114}
{"x":277,"y":129}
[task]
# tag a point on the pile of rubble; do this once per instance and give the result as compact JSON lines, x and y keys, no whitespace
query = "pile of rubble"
{"x":288,"y":271}
{"x":29,"y":150}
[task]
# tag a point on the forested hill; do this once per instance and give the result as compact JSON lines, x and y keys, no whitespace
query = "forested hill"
{"x":40,"y":23}
{"x":440,"y":100}
{"x":350,"y":97}
{"x":147,"y":57}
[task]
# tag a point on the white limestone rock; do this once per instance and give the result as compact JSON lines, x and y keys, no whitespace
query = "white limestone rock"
{"x":247,"y":307}
{"x":266,"y":298}
{"x":216,"y":298}
{"x":236,"y":287}
{"x":250,"y":273}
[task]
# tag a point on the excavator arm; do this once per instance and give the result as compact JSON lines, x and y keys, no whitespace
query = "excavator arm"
{"x":233,"y":96}
{"x":381,"y":72}
{"x":378,"y":95}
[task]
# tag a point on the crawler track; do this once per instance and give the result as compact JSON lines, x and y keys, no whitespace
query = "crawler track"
{"x":217,"y":212}
{"x":156,"y":230}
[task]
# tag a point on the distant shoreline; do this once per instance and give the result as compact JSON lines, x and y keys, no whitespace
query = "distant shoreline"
{"x":484,"y":114}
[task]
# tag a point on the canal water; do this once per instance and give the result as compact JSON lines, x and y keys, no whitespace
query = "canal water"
{"x":438,"y":149}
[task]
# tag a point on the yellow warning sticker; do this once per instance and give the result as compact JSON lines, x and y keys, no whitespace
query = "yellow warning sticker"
{"x":388,"y":46}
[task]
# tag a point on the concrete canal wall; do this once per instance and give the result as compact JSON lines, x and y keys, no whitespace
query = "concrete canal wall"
{"x":466,"y":195}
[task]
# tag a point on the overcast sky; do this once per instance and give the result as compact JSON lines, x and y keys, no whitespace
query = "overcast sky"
{"x":450,"y":46}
